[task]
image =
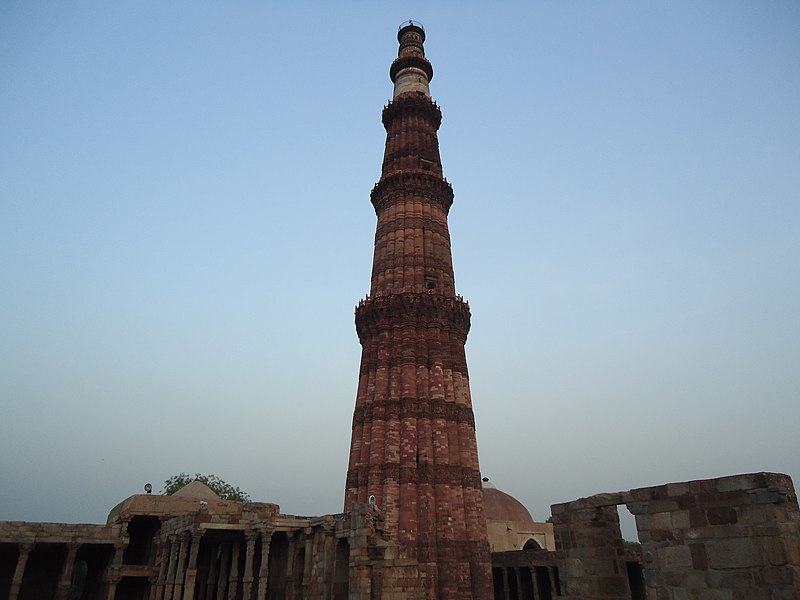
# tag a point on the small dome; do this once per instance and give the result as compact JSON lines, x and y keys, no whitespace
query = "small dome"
{"x":196,"y":489}
{"x":499,"y":506}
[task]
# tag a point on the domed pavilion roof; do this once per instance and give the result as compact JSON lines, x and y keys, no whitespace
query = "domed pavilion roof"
{"x":499,"y":506}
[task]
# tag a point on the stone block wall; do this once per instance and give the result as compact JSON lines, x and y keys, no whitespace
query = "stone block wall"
{"x":733,"y":538}
{"x":588,"y":533}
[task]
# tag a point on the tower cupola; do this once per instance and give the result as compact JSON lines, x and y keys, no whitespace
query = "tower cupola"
{"x":411,"y":71}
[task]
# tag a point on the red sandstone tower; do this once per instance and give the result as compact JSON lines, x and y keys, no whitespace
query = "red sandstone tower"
{"x":413,"y":445}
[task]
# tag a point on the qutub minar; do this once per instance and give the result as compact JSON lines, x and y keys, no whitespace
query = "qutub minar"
{"x":419,"y":522}
{"x":413,"y":451}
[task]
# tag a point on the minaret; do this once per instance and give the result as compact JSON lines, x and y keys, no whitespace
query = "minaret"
{"x":413,"y":445}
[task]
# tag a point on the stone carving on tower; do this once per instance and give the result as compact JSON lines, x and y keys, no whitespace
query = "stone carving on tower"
{"x":413,"y":451}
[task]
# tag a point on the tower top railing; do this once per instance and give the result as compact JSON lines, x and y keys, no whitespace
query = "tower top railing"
{"x":410,"y":23}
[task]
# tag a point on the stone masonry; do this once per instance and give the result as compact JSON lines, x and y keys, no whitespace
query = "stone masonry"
{"x":413,"y":451}
{"x":732,"y":538}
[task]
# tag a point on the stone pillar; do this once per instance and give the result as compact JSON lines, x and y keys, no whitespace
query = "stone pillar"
{"x":247,"y":577}
{"x":263,"y":571}
{"x":191,"y":570}
{"x":65,"y":579}
{"x":329,"y":577}
{"x":180,"y":571}
{"x":19,"y":572}
{"x":506,"y":586}
{"x":173,"y":563}
{"x":222,"y":574}
{"x":289,"y":588}
{"x":165,"y":547}
{"x":307,"y":562}
{"x":113,"y":572}
{"x":233,"y":580}
{"x":153,"y":579}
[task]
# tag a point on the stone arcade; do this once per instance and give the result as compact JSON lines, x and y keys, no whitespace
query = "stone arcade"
{"x":418,"y":523}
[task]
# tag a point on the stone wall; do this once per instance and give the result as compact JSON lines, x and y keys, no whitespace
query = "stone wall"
{"x":588,"y":533}
{"x":734,"y":538}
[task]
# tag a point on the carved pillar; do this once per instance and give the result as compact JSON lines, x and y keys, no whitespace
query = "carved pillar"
{"x":289,"y":588}
{"x":506,"y":587}
{"x":534,"y":582}
{"x":180,"y":571}
{"x":169,"y":585}
{"x":307,"y":563}
{"x":247,"y":577}
{"x":156,"y":562}
{"x":263,"y":571}
{"x":233,"y":580}
{"x":191,"y":570}
{"x":113,"y":573}
{"x":163,"y":564}
{"x":65,"y":579}
{"x":329,"y":530}
{"x":19,"y":572}
{"x":223,"y":571}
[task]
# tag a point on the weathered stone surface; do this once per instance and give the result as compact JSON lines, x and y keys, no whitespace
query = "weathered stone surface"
{"x":413,"y":449}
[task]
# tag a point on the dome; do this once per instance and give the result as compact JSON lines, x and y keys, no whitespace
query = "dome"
{"x":499,"y":506}
{"x":196,"y":489}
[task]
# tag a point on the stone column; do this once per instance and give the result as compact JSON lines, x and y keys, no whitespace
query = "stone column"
{"x":263,"y":571}
{"x":247,"y":577}
{"x":223,"y":571}
{"x":165,"y":548}
{"x":65,"y":579}
{"x":169,"y":584}
{"x":328,"y":578}
{"x":506,"y":586}
{"x":191,"y":570}
{"x":307,"y":563}
{"x":289,"y":589}
{"x":233,"y":580}
{"x":19,"y":572}
{"x":113,"y":572}
{"x":153,"y":579}
{"x":180,"y":572}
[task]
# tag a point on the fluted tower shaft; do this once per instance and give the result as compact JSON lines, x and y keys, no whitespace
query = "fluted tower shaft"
{"x":413,"y":443}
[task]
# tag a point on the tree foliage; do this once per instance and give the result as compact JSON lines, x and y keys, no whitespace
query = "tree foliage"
{"x":222,"y":489}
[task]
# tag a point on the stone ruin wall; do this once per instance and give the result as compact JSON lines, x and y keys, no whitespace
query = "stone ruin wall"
{"x":732,"y":538}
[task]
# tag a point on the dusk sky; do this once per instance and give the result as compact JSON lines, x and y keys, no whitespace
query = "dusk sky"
{"x":186,"y":229}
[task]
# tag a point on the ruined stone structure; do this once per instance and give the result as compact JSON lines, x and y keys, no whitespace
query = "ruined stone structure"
{"x":413,"y":451}
{"x":191,"y":546}
{"x":732,"y":538}
{"x":416,"y":520}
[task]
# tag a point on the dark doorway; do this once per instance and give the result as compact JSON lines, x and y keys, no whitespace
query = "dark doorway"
{"x":278,"y":561}
{"x":636,"y":580}
{"x":341,"y":571}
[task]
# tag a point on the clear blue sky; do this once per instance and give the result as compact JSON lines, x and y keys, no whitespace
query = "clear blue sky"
{"x":186,"y":228}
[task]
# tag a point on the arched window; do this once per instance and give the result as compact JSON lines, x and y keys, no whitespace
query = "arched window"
{"x":531,"y":544}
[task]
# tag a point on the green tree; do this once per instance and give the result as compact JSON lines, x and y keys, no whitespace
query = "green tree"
{"x":222,"y":489}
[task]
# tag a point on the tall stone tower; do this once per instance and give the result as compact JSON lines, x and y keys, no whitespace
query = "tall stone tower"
{"x":413,"y":450}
